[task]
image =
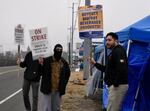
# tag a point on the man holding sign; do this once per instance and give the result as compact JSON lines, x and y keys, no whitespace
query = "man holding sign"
{"x":39,"y":47}
{"x":31,"y":79}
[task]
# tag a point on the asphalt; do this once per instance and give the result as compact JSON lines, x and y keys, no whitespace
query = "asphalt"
{"x":10,"y":89}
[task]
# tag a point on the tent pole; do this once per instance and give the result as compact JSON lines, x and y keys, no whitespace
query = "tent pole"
{"x":135,"y":99}
{"x":138,"y":89}
{"x":128,"y":47}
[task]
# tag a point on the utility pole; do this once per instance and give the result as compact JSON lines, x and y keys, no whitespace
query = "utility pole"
{"x":71,"y":36}
{"x":69,"y":58}
{"x":69,"y":45}
{"x":72,"y":30}
{"x":87,"y":52}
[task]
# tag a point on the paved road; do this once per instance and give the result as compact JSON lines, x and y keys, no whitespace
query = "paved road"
{"x":10,"y":89}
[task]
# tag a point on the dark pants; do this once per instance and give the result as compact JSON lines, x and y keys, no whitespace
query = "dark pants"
{"x":26,"y":89}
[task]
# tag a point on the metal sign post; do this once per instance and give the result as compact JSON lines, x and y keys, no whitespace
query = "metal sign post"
{"x":87,"y":52}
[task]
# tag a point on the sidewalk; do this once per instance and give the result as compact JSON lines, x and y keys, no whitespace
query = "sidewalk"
{"x":75,"y":98}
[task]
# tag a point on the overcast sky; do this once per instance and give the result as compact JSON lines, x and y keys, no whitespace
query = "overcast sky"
{"x":56,"y":15}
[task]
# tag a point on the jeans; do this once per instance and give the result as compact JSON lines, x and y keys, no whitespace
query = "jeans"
{"x":26,"y":89}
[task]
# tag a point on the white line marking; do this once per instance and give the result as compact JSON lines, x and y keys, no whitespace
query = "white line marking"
{"x":1,"y":73}
{"x":7,"y":98}
{"x":8,"y":66}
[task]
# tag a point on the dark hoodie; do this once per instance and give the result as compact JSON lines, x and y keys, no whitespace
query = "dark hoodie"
{"x":116,"y":69}
{"x":32,"y":71}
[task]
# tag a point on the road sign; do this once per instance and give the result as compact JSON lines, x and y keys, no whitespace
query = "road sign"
{"x":90,"y":22}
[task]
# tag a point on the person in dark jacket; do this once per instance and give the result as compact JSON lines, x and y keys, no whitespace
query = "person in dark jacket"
{"x":31,"y":79}
{"x":55,"y":76}
{"x":116,"y":72}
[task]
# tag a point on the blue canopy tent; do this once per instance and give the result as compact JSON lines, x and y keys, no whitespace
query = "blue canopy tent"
{"x":137,"y":38}
{"x":137,"y":31}
{"x":97,"y":51}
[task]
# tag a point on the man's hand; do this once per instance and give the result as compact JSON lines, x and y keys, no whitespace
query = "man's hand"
{"x":41,"y":60}
{"x":18,"y":61}
{"x":91,"y":60}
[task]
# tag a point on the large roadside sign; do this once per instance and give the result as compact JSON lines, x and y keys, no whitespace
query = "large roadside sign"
{"x":39,"y":43}
{"x":90,"y":21}
{"x":19,"y":35}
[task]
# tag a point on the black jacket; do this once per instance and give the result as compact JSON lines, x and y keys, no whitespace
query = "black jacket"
{"x":116,"y":69}
{"x":32,"y":71}
{"x":46,"y":76}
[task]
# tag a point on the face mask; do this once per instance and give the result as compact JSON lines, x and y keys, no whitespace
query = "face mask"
{"x":57,"y":55}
